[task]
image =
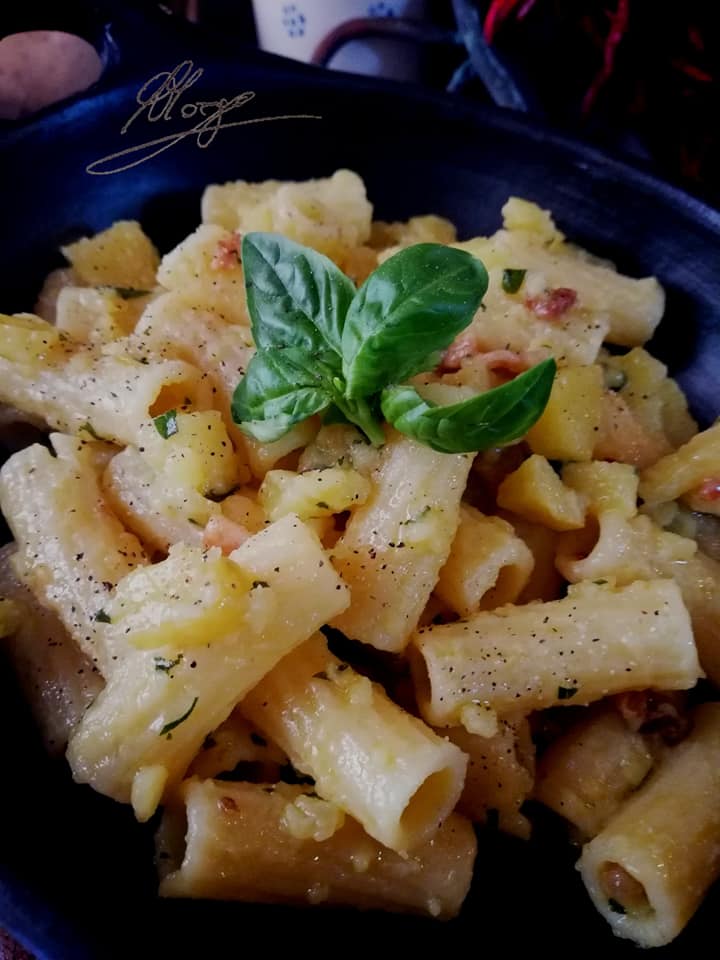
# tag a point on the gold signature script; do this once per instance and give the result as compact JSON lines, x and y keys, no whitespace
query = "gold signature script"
{"x":158,"y":99}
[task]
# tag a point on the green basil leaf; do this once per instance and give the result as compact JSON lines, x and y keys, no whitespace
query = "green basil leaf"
{"x":493,"y":418}
{"x":295,"y":296}
{"x":407,"y":311}
{"x":166,"y":424}
{"x":280,"y":388}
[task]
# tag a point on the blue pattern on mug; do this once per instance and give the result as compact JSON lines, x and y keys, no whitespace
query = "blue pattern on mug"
{"x":293,"y":20}
{"x":381,"y":9}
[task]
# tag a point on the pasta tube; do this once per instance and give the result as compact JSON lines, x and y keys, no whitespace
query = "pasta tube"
{"x":57,"y":679}
{"x":161,"y":703}
{"x":489,"y":565}
{"x":239,"y":841}
{"x":109,"y":396}
{"x":649,"y":869}
{"x":395,"y":544}
{"x":367,"y":755}
{"x":588,"y":773}
{"x":71,"y":549}
{"x":500,"y":775}
{"x":597,"y":641}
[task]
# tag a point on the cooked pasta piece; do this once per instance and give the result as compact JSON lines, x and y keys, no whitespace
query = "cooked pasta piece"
{"x":72,"y":388}
{"x":367,"y":755}
{"x":331,"y":215}
{"x":588,"y":773}
{"x":205,"y":271}
{"x":624,"y":550}
{"x":489,"y":565}
{"x":395,"y":544}
{"x":500,"y":775}
{"x":161,"y":702}
{"x":685,"y":470}
{"x":598,"y":640}
{"x":624,"y":438}
{"x":650,"y":867}
{"x":162,"y":487}
{"x":71,"y":549}
{"x":58,"y":680}
{"x":97,"y":315}
{"x":240,"y":841}
{"x":237,"y":743}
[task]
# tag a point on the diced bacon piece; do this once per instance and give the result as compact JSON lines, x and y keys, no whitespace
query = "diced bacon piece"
{"x":709,"y":489}
{"x":224,"y":533}
{"x":463,"y":347}
{"x":506,"y":361}
{"x":227,"y":253}
{"x":551,"y":304}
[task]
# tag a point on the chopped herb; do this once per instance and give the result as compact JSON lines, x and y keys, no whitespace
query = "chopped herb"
{"x":321,"y":676}
{"x":565,"y":693}
{"x":512,"y":280}
{"x":161,"y":663}
{"x":88,"y":427}
{"x":176,"y":723}
{"x":130,"y":293}
{"x":259,"y":583}
{"x":616,"y":907}
{"x":322,"y":505}
{"x":102,"y":617}
{"x":166,"y":424}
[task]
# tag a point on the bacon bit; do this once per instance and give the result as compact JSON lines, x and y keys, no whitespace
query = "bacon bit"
{"x":465,"y":346}
{"x":650,"y":711}
{"x":227,"y":253}
{"x":224,"y":533}
{"x":227,"y":804}
{"x":552,"y":303}
{"x":506,"y":361}
{"x":709,"y":489}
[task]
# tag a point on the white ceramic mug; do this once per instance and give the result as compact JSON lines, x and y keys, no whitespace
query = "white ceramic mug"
{"x":295,"y":28}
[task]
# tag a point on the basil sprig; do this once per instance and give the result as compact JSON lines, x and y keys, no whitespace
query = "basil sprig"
{"x":323,"y":347}
{"x":487,"y":420}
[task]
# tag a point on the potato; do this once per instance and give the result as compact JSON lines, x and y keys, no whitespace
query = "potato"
{"x":315,"y":493}
{"x":181,"y":601}
{"x":536,"y":492}
{"x":121,"y":256}
{"x":568,"y":427}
